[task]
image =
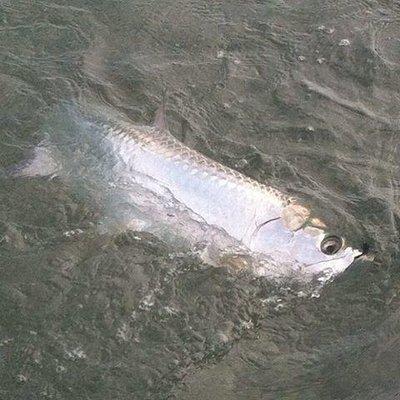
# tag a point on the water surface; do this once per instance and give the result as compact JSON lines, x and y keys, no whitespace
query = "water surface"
{"x":302,"y":95}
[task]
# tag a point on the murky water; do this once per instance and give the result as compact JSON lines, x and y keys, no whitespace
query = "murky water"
{"x":302,"y":95}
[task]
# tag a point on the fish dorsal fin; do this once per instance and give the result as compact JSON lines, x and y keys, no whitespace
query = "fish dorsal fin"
{"x":160,"y":121}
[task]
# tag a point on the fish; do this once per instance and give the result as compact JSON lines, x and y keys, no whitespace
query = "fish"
{"x":140,"y":167}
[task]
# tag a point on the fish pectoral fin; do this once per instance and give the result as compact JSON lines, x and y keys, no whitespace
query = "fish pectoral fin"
{"x":295,"y":216}
{"x":160,"y":121}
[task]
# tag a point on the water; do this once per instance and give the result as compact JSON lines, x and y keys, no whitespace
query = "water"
{"x":272,"y":89}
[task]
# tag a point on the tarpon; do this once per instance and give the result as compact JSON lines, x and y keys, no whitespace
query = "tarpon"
{"x":94,"y":145}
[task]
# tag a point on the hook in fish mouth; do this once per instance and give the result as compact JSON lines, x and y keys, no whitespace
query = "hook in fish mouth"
{"x":366,"y":252}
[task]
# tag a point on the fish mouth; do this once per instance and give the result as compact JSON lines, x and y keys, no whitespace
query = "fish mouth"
{"x":324,"y":261}
{"x":366,"y":253}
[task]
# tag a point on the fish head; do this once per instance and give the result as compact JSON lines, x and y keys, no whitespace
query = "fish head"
{"x":304,"y":242}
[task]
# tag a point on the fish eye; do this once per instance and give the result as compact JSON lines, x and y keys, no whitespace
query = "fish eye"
{"x":331,"y":245}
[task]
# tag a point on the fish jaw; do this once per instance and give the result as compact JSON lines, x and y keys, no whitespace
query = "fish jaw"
{"x":333,"y":266}
{"x":300,"y":248}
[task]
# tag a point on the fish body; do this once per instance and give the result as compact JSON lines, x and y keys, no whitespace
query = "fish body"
{"x":102,"y":146}
{"x":221,"y":196}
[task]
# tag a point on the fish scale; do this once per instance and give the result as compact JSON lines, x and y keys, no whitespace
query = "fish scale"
{"x":162,"y":157}
{"x":165,"y":144}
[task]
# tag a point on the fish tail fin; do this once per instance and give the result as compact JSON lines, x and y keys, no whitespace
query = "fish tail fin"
{"x":39,"y":162}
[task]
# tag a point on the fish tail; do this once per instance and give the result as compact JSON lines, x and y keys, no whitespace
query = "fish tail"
{"x":39,"y":162}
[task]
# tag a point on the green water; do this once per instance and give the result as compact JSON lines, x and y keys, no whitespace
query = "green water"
{"x":271,"y":88}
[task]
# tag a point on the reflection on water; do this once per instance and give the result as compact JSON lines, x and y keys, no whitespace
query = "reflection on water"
{"x":300,"y":95}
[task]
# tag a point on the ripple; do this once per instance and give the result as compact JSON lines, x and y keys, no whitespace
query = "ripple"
{"x":386,"y":43}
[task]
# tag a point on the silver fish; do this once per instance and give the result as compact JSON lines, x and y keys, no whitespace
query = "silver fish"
{"x":109,"y":149}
